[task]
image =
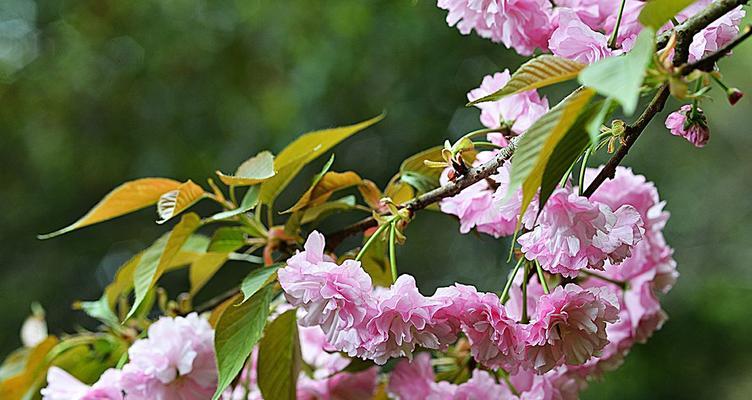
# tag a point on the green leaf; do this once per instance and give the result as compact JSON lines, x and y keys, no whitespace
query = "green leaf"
{"x":537,"y":144}
{"x":621,"y":77}
{"x":279,"y":358}
{"x":249,"y":202}
{"x":257,"y":279}
{"x":304,"y":150}
{"x":87,"y":356}
{"x":657,"y":13}
{"x":322,"y":211}
{"x":566,"y":152}
{"x":227,"y":239}
{"x":539,"y":72}
{"x":126,"y":198}
{"x":100,"y":310}
{"x":157,"y":258}
{"x":252,"y":171}
{"x":376,"y":263}
{"x":204,"y":268}
{"x":238,"y":330}
{"x":594,"y":126}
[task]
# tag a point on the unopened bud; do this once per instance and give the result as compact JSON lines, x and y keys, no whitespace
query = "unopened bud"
{"x":734,"y":95}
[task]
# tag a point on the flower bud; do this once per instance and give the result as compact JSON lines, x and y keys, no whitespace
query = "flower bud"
{"x":734,"y":95}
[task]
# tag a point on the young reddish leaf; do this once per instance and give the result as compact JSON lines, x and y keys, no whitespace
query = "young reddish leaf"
{"x":128,"y":197}
{"x":324,"y":188}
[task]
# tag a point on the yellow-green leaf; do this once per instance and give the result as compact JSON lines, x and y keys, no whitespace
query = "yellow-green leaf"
{"x":535,"y":147}
{"x":128,"y":197}
{"x":237,"y":331}
{"x":252,"y":171}
{"x":325,"y":187}
{"x":657,"y":13}
{"x":279,"y":358}
{"x":304,"y":150}
{"x":158,"y":256}
{"x":25,"y":384}
{"x":204,"y":268}
{"x":176,"y":201}
{"x":539,"y":72}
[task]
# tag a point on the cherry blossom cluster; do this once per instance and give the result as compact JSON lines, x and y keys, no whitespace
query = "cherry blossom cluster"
{"x":380,"y":324}
{"x":177,"y":361}
{"x":575,"y":29}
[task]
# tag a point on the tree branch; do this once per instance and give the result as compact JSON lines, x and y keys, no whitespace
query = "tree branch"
{"x":684,"y":32}
{"x":707,"y":63}
{"x":700,"y":21}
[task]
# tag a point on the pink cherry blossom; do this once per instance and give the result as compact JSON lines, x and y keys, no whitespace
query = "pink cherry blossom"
{"x":574,"y":233}
{"x":517,"y":111}
{"x":336,"y":297}
{"x":719,"y":33}
{"x":556,"y":384}
{"x":569,"y":326}
{"x":520,"y":24}
{"x":694,"y":128}
{"x":477,"y":207}
{"x":63,"y":386}
{"x":496,"y":339}
{"x":482,"y":386}
{"x":630,"y":25}
{"x":576,"y":41}
{"x":175,"y":361}
{"x":403,"y":320}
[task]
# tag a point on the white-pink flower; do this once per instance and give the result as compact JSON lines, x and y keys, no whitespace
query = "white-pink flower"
{"x":574,"y":40}
{"x":574,"y":233}
{"x":175,"y":361}
{"x":335,"y":297}
{"x":63,"y":386}
{"x":517,"y":111}
{"x":520,"y":24}
{"x":714,"y":36}
{"x":569,"y":326}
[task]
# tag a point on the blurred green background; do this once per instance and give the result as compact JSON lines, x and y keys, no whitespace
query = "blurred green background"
{"x":97,"y":92}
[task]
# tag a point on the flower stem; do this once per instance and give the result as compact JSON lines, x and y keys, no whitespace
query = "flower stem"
{"x":541,"y":277}
{"x":508,"y":285}
{"x":615,"y":33}
{"x":392,"y":249}
{"x":372,"y":239}
{"x":487,"y":144}
{"x":525,"y":318}
{"x":581,"y":178}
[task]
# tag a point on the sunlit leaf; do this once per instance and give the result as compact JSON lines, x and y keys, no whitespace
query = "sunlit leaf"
{"x":322,"y":211}
{"x":536,"y":146}
{"x":176,"y":201}
{"x":621,"y":77}
{"x":657,"y":13}
{"x":252,"y":171}
{"x":249,"y":202}
{"x":257,"y":279}
{"x":304,"y":150}
{"x":371,"y":193}
{"x":539,"y":72}
{"x":158,"y":256}
{"x":26,"y":383}
{"x":279,"y":358}
{"x":126,"y":198}
{"x":204,"y":268}
{"x":325,"y":187}
{"x":227,"y":239}
{"x":238,"y":330}
{"x":87,"y":356}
